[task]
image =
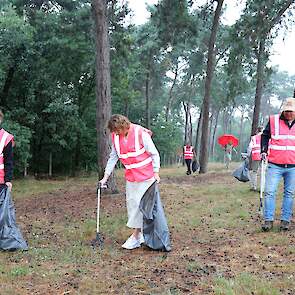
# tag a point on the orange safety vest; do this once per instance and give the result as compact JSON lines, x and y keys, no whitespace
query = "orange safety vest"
{"x":282,"y":142}
{"x":5,"y":138}
{"x":256,"y":142}
{"x":188,"y":152}
{"x":132,"y":154}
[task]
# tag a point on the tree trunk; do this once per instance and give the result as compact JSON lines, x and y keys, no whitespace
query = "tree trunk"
{"x":147,"y":99}
{"x":170,"y":98}
{"x":230,"y":119}
{"x":197,"y":145}
{"x":6,"y":87}
{"x":126,"y":108}
{"x":76,"y":157}
{"x":211,"y":118}
{"x":50,"y":165}
{"x":26,"y":168}
{"x":259,"y":85}
{"x":261,"y":62}
{"x":241,"y":129}
{"x":190,"y":128}
{"x":206,"y":100}
{"x":103,"y":87}
{"x":188,"y":123}
{"x":224,"y":121}
{"x":214,"y":134}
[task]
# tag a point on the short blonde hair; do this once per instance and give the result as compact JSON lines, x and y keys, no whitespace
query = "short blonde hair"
{"x":118,"y":122}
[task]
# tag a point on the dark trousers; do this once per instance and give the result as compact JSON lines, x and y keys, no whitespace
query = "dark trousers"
{"x":189,"y":165}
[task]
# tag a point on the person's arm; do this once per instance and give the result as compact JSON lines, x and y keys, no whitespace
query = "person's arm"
{"x":8,"y":164}
{"x":152,"y":150}
{"x":249,"y":148}
{"x":113,"y":158}
{"x":265,"y":137}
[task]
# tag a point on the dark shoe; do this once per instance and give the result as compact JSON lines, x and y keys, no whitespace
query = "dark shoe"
{"x":188,"y":173}
{"x":284,"y":225}
{"x":267,"y":226}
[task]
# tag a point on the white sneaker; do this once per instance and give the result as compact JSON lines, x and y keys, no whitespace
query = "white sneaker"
{"x":131,"y":243}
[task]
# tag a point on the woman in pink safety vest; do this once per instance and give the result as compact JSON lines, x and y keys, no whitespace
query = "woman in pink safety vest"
{"x":254,"y":150}
{"x":188,"y":155}
{"x":133,"y":145}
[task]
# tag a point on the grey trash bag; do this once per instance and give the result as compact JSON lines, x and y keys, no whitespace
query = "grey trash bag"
{"x":10,"y":236}
{"x":155,"y":228}
{"x":242,"y":172}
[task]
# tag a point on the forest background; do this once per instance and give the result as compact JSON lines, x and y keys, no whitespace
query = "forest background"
{"x":184,"y":74}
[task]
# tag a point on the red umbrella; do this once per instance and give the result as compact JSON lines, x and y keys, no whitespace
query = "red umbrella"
{"x":228,"y":139}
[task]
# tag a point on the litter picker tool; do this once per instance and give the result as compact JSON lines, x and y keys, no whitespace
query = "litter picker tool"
{"x":98,"y":241}
{"x":262,"y":184}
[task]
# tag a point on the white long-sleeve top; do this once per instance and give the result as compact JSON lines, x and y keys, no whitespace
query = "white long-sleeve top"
{"x":149,"y":147}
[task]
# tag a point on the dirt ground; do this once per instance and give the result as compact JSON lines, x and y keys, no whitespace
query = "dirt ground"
{"x":218,"y":247}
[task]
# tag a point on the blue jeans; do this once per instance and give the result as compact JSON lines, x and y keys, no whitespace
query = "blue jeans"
{"x":273,"y":177}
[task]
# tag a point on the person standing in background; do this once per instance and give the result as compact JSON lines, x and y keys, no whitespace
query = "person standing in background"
{"x":188,"y":155}
{"x":254,"y":153}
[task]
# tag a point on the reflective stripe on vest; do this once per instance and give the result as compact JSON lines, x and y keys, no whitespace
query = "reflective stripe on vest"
{"x":3,"y":140}
{"x":282,"y":142}
{"x":188,"y":152}
{"x":282,"y":148}
{"x":140,"y":164}
{"x":138,"y":151}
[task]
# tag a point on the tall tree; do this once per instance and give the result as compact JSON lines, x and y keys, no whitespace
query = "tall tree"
{"x":103,"y":86}
{"x":258,"y":26}
{"x":272,"y":12}
{"x":206,"y":101}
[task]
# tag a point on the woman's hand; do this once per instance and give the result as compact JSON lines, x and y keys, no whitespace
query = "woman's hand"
{"x":9,"y":185}
{"x":104,"y":180}
{"x":157,"y":177}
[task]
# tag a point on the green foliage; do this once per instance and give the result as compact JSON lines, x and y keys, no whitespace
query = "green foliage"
{"x":47,"y":77}
{"x":22,"y":138}
{"x":167,"y":136}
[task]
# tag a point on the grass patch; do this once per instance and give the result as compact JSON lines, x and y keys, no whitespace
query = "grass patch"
{"x":215,"y":234}
{"x":24,"y":188}
{"x":19,"y":271}
{"x":244,"y":284}
{"x":276,"y":239}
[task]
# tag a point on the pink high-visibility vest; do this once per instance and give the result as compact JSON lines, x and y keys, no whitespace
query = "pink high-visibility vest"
{"x":282,"y":142}
{"x":256,"y":141}
{"x":188,"y":152}
{"x":5,"y":138}
{"x":132,"y":154}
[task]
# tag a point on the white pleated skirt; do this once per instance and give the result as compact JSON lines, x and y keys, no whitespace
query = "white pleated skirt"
{"x":134,"y":193}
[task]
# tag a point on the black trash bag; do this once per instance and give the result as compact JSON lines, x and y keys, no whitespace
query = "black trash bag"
{"x":195,"y":166}
{"x":155,"y":229}
{"x":242,"y":172}
{"x":11,"y":238}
